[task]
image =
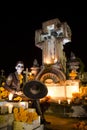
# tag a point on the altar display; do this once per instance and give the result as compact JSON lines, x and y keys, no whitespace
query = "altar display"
{"x":17,"y":114}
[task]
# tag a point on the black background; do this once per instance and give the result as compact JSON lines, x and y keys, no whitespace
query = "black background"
{"x":17,"y":35}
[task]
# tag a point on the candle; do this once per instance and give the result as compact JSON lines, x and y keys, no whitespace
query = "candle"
{"x":69,"y":101}
{"x":10,"y":96}
{"x":10,"y":107}
{"x":59,"y":101}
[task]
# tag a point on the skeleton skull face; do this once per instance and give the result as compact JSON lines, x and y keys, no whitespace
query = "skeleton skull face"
{"x":19,"y":68}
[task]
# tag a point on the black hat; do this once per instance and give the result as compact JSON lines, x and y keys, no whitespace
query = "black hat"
{"x":35,"y":89}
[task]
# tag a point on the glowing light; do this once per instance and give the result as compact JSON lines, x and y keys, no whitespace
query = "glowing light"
{"x":68,"y":101}
{"x":55,"y":91}
{"x":10,"y":107}
{"x":59,"y":101}
{"x":71,"y":90}
{"x":10,"y":96}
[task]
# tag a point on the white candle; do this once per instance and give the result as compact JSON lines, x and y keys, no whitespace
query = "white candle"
{"x":10,"y":107}
{"x":10,"y":96}
{"x":39,"y":119}
{"x":69,"y":101}
{"x":59,"y":101}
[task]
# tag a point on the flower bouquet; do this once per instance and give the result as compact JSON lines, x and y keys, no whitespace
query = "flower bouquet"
{"x":24,"y":119}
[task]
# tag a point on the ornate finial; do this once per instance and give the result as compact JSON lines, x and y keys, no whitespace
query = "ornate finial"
{"x":73,"y":62}
{"x":2,"y":72}
{"x":35,"y":63}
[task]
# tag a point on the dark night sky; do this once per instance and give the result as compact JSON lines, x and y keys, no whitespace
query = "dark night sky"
{"x":17,"y":36}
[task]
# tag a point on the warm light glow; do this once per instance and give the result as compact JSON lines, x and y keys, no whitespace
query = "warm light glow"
{"x":47,"y":61}
{"x":59,"y":101}
{"x":56,"y":91}
{"x":10,"y":96}
{"x":10,"y":107}
{"x":55,"y":60}
{"x":50,"y":61}
{"x":30,"y":73}
{"x":68,"y":101}
{"x":70,"y":90}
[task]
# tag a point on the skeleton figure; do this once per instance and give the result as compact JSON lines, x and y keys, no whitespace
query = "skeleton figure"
{"x":14,"y":81}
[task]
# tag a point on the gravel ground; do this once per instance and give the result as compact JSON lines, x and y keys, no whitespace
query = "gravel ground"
{"x":57,"y":123}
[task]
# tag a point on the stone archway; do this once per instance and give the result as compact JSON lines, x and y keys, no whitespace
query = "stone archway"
{"x":51,"y":73}
{"x":49,"y":76}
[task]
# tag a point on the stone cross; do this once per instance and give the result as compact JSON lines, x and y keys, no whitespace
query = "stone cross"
{"x":50,"y":39}
{"x":26,"y":72}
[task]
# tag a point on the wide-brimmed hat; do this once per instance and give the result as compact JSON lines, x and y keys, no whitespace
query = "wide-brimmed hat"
{"x":35,"y":89}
